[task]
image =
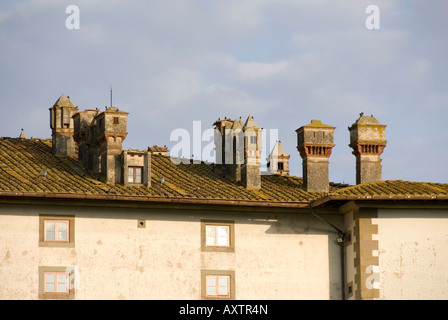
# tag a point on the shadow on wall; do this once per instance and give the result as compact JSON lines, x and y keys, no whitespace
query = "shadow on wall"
{"x":306,"y":224}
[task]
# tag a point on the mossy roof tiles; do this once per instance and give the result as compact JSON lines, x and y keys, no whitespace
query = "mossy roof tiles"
{"x":23,"y":160}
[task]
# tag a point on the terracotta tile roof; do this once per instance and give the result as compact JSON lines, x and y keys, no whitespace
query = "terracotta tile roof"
{"x":27,"y":166}
{"x":393,"y":188}
{"x":23,"y":160}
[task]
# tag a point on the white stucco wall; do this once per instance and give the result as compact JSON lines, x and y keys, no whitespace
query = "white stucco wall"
{"x":413,"y":253}
{"x":277,"y":256}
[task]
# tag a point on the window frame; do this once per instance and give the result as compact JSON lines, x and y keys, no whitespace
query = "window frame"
{"x":218,"y":223}
{"x":69,"y":294}
{"x":207,"y":274}
{"x":134,"y":174}
{"x":56,"y":224}
{"x":217,"y":286}
{"x":56,"y":275}
{"x":216,"y":236}
{"x":69,"y":243}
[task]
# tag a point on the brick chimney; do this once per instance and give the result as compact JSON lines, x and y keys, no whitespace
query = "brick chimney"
{"x":86,"y":138}
{"x":368,"y":140}
{"x":315,"y":142}
{"x":238,"y":150}
{"x":233,"y":169}
{"x":250,"y":170}
{"x":223,"y":144}
{"x":100,"y":136}
{"x":62,"y":126}
{"x":111,"y":130}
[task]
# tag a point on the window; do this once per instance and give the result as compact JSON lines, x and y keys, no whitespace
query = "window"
{"x":135,"y":174}
{"x":218,"y":284}
{"x":56,"y":282}
{"x":116,"y":120}
{"x":280,"y":165}
{"x":217,"y":236}
{"x":56,"y":231}
{"x":253,"y":139}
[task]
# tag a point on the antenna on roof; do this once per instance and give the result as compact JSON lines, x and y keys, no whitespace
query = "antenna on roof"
{"x":111,"y":95}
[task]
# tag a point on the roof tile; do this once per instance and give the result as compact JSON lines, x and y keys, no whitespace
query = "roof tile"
{"x":22,"y":161}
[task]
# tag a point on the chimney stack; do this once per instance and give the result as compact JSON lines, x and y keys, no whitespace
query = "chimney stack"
{"x":238,"y":151}
{"x":110,"y":134}
{"x":223,"y":144}
{"x":367,"y":138}
{"x":315,"y":142}
{"x":85,"y":138}
{"x":250,"y":170}
{"x":62,"y":126}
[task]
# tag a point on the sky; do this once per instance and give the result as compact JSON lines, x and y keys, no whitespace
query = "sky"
{"x":284,"y":62}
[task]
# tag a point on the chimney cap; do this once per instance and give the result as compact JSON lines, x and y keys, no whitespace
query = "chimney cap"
{"x":316,"y":124}
{"x":64,"y":101}
{"x":366,"y":120}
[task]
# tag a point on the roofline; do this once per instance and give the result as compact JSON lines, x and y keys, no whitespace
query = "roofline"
{"x":242,"y":203}
{"x":115,"y":197}
{"x":320,"y":201}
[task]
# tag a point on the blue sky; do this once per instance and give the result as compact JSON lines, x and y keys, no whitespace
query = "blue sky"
{"x":285,"y":62}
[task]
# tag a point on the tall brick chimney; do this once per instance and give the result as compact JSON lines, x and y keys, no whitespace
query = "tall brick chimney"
{"x":111,"y":130}
{"x":223,"y":144}
{"x":315,"y":142}
{"x":233,"y":169}
{"x":250,"y":170}
{"x":238,"y":151}
{"x":368,"y":140}
{"x":86,"y":138}
{"x":62,"y":126}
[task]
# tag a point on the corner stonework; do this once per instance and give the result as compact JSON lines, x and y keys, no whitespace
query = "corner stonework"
{"x":366,"y":263}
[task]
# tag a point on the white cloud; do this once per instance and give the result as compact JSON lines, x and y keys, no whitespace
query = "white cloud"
{"x":260,"y":71}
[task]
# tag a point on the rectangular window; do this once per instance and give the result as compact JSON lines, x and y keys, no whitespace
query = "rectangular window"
{"x":217,"y":235}
{"x":218,"y":284}
{"x":56,"y":231}
{"x":280,"y":166}
{"x":253,"y":139}
{"x":135,"y":174}
{"x":56,"y":282}
{"x":116,"y":121}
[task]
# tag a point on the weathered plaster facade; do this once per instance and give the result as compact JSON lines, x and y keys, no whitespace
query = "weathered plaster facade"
{"x":413,"y":262}
{"x":396,"y":253}
{"x":276,"y":255}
